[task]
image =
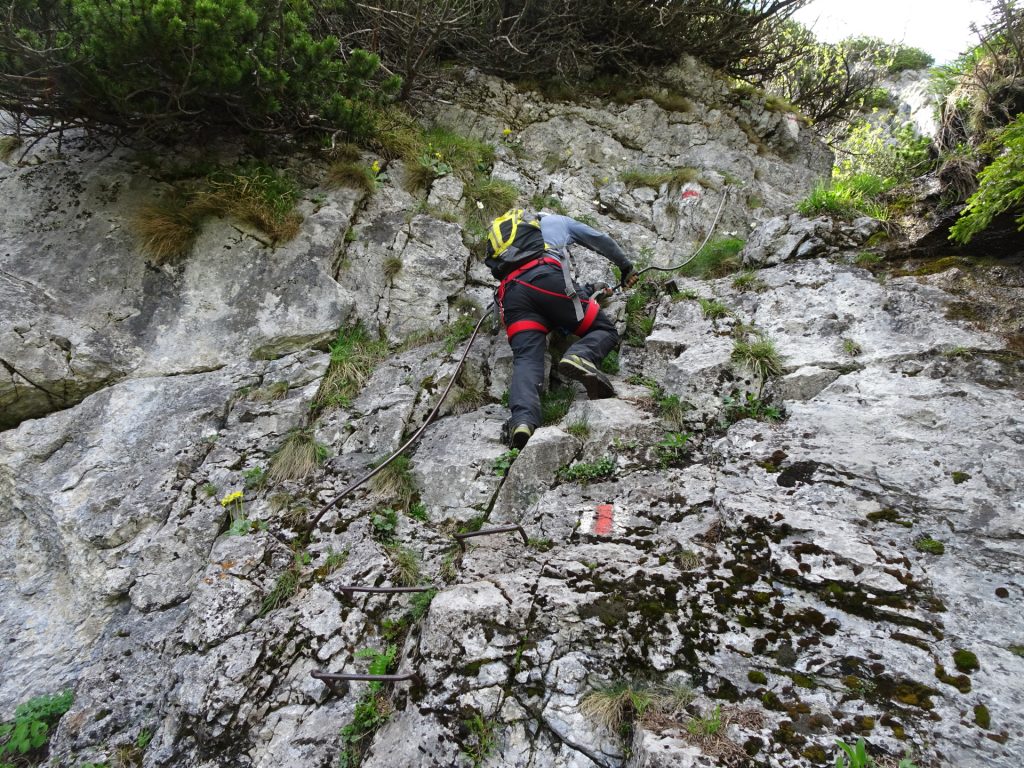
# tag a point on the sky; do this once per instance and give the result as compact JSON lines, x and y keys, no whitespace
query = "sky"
{"x":940,"y":27}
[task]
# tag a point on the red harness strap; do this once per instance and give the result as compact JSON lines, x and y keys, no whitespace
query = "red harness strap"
{"x":590,"y":314}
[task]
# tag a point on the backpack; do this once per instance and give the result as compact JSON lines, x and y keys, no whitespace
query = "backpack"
{"x":512,"y":242}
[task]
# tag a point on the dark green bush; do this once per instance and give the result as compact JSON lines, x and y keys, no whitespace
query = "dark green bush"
{"x":155,"y":65}
{"x":1001,"y":185}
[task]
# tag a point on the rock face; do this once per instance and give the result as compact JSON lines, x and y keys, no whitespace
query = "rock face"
{"x":726,"y":565}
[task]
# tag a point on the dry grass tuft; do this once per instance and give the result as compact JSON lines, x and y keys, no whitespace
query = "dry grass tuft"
{"x":8,"y":145}
{"x":297,"y":457}
{"x":352,"y":173}
{"x":617,"y":706}
{"x":395,"y":482}
{"x":167,"y":229}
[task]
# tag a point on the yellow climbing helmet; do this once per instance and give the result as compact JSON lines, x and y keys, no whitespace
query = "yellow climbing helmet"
{"x":506,"y":229}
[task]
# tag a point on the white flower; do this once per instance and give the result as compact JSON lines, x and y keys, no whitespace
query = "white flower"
{"x":479,"y":205}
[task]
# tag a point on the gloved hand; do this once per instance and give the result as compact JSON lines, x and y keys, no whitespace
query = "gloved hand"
{"x":629,"y":276}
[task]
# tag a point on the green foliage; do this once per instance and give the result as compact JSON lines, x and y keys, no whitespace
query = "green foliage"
{"x":354,"y":355}
{"x":490,"y":198}
{"x":672,"y":448}
{"x":29,"y":731}
{"x":1000,"y":186}
{"x":852,"y":347}
{"x":286,"y":585}
{"x":406,"y":565}
{"x":255,"y":194}
{"x":713,"y":309}
{"x":579,"y":429}
{"x":395,"y":482}
{"x":255,"y":478}
{"x":853,"y":757}
{"x":610,"y":363}
{"x":717,"y":258}
{"x":503,"y":463}
{"x":759,"y":356}
{"x":929,"y":545}
{"x":371,"y":711}
{"x":588,"y":471}
{"x":547,"y":202}
{"x":906,"y":57}
{"x":384,"y":522}
{"x":8,"y":146}
{"x":352,"y":173}
{"x":847,"y":198}
{"x":707,"y":725}
{"x":162,"y":66}
{"x":418,"y":511}
{"x":639,"y":312}
{"x":554,"y":404}
{"x":617,"y":706}
{"x":751,"y":407}
{"x":481,"y":742}
{"x":892,"y":154}
{"x":458,"y":330}
{"x":748,"y":281}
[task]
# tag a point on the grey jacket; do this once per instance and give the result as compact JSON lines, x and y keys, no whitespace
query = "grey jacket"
{"x":561,"y":231}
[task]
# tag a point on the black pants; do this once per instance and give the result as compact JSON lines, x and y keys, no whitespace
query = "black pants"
{"x":530,"y":313}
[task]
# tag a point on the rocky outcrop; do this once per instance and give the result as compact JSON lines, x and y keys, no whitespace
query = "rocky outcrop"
{"x":750,"y":563}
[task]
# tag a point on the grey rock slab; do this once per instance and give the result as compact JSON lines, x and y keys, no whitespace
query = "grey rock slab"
{"x":87,"y":488}
{"x":533,"y":472}
{"x":99,"y":313}
{"x":454,"y":464}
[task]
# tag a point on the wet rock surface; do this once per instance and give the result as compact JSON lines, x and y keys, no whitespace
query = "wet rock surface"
{"x":763,"y":562}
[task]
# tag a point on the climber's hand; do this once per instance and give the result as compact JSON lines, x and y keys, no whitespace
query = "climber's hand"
{"x":629,"y":277}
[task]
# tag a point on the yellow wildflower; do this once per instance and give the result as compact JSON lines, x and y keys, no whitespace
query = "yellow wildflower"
{"x":375,"y":167}
{"x":438,"y":155}
{"x":237,"y":495}
{"x":507,"y":132}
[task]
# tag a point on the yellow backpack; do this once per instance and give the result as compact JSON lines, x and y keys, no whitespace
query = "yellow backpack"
{"x":513,"y":241}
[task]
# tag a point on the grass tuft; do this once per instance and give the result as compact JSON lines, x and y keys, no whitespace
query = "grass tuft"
{"x":8,"y":146}
{"x":354,"y":355}
{"x":759,"y":356}
{"x":297,"y":457}
{"x":167,"y":229}
{"x":717,"y":258}
{"x":352,"y":173}
{"x":395,"y":482}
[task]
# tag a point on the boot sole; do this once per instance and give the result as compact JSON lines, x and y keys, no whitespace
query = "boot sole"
{"x":598,"y":386}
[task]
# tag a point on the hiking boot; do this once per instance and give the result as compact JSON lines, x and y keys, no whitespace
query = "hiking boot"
{"x":520,"y":436}
{"x":598,"y":385}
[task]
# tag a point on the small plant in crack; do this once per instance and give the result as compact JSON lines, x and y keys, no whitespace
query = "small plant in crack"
{"x":588,"y":471}
{"x":503,"y":463}
{"x":852,"y":348}
{"x":383,"y":523}
{"x":287,"y":584}
{"x":481,"y":741}
{"x":395,"y":482}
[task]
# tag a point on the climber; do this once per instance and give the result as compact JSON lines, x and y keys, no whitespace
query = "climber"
{"x":537,"y":295}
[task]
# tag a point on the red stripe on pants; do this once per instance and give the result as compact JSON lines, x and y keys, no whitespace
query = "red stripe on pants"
{"x":526,"y":325}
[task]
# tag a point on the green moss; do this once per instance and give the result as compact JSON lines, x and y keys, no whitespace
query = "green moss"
{"x":961,"y":682}
{"x":930,"y":545}
{"x":816,"y":754}
{"x":867,"y":724}
{"x":965,"y":660}
{"x":1017,"y":650}
{"x":982,"y":717}
{"x":960,"y":477}
{"x":757,"y":677}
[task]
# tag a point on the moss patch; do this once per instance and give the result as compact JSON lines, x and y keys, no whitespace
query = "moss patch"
{"x":982,"y":716}
{"x":965,"y":660}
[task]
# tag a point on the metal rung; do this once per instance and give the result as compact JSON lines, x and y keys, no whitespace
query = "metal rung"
{"x":461,"y":537}
{"x":348,"y":589}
